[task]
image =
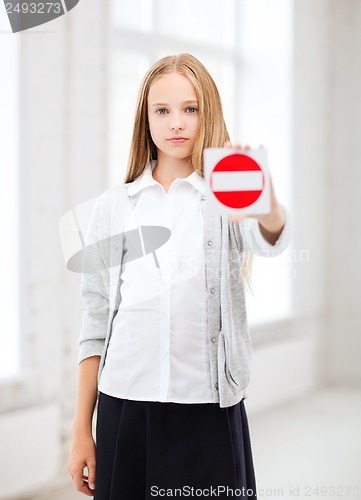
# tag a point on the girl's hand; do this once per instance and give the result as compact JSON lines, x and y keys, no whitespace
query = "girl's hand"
{"x":271,"y":225}
{"x":83,"y":455}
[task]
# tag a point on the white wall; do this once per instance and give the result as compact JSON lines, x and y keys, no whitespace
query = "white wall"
{"x":327,"y":205}
{"x":63,"y":162}
{"x":343,"y":200}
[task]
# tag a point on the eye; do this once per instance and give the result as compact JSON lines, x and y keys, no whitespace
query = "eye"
{"x":161,"y":111}
{"x":192,"y":110}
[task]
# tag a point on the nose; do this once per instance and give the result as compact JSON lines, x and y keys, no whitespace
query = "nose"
{"x":176,"y":122}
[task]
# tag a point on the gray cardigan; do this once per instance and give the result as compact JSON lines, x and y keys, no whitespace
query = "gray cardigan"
{"x":229,"y":342}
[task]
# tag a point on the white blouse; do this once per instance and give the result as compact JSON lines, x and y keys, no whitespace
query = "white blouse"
{"x":158,"y":350}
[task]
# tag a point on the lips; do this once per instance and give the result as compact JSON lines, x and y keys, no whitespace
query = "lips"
{"x":177,"y":140}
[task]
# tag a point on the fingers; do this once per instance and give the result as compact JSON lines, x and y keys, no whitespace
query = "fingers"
{"x":237,"y":217}
{"x":82,"y":482}
{"x":228,"y":144}
{"x":88,"y":486}
{"x":81,"y":463}
{"x":91,"y":478}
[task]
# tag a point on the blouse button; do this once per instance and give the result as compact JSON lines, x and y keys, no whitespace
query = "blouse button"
{"x":216,"y":386}
{"x":213,"y":339}
{"x":203,"y":197}
{"x":212,"y":290}
{"x":210,"y":243}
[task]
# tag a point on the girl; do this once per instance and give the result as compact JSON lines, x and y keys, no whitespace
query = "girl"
{"x":164,"y":342}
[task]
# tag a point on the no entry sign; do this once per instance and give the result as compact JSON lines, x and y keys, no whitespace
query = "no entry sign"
{"x":238,"y":181}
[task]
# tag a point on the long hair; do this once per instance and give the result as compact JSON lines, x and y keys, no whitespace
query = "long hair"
{"x":212,"y":131}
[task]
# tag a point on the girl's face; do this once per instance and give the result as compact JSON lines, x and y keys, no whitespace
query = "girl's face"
{"x":173,"y":116}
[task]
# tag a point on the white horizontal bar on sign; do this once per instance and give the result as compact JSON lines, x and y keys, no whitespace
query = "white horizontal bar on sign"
{"x":237,"y":181}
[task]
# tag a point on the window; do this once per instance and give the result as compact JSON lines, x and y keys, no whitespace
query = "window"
{"x":247,"y":46}
{"x":9,"y":199}
{"x":265,"y":44}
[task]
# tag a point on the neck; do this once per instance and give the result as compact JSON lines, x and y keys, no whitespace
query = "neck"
{"x":168,"y":169}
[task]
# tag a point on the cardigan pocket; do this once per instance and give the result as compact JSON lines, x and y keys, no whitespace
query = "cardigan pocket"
{"x":223,"y":357}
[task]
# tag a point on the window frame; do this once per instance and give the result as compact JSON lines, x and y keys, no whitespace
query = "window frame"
{"x":10,"y":369}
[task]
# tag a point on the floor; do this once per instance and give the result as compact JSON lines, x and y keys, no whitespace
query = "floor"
{"x":308,"y":449}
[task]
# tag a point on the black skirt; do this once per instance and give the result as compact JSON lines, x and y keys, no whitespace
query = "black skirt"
{"x":148,"y":449}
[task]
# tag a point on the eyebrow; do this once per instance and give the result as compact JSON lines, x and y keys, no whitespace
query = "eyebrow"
{"x":191,"y":101}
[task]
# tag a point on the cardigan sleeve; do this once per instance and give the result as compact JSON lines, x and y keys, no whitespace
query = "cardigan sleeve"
{"x":254,"y":241}
{"x":94,"y":290}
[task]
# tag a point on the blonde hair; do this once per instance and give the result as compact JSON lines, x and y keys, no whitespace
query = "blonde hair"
{"x":212,"y":131}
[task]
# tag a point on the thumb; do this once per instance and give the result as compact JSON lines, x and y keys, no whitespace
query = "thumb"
{"x":91,"y":475}
{"x":237,"y":217}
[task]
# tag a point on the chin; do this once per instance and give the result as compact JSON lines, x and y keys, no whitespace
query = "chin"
{"x":180,"y":155}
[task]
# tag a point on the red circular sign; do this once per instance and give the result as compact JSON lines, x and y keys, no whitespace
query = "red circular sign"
{"x":237,"y":181}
